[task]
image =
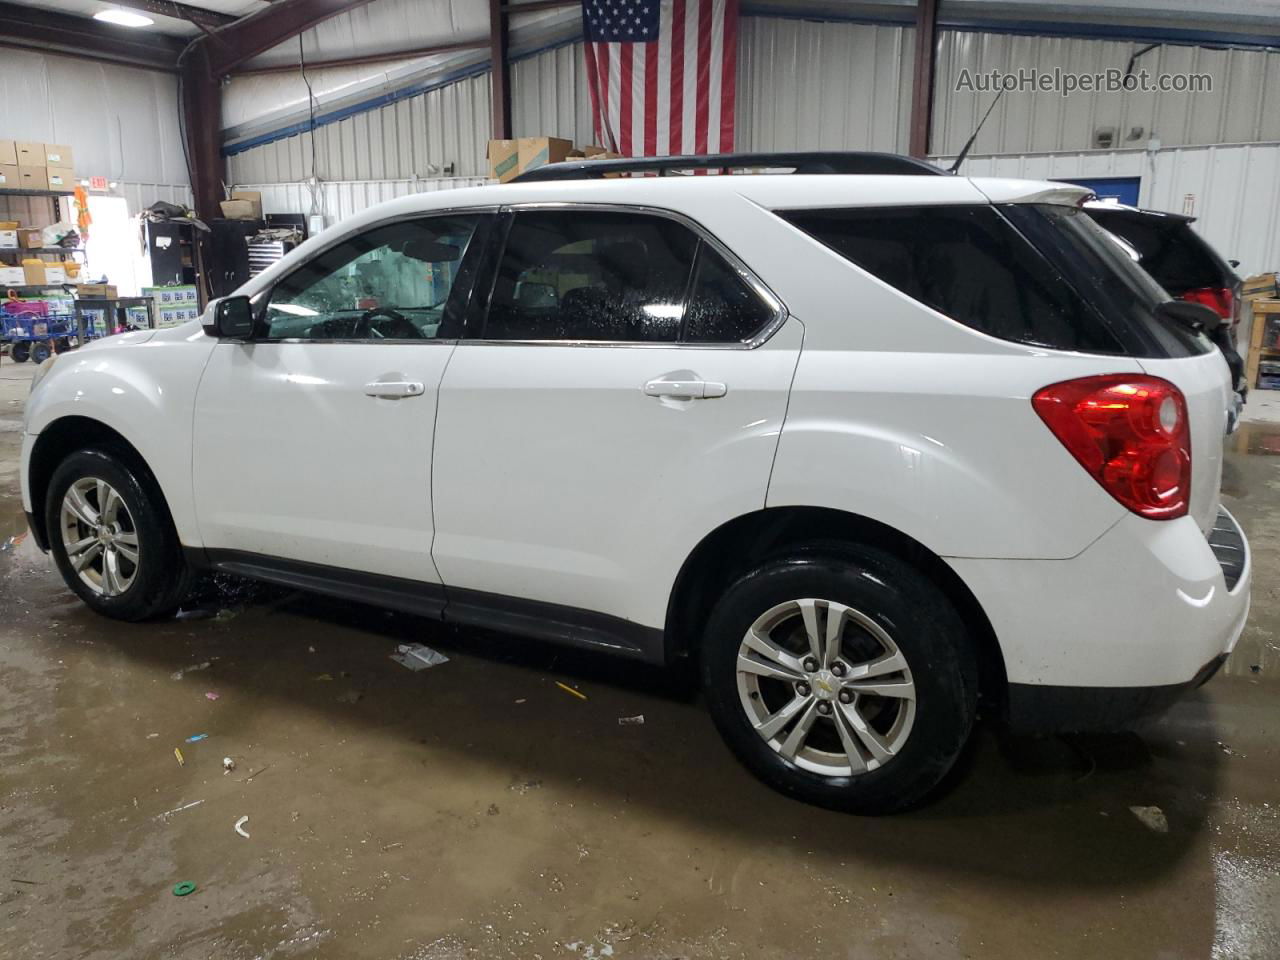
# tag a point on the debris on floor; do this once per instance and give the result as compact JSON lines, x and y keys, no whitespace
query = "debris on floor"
{"x":228,"y":765}
{"x":169,"y":813}
{"x":211,"y":695}
{"x":1152,"y":818}
{"x":631,"y":721}
{"x":568,"y":689}
{"x":324,"y":676}
{"x":351,"y":696}
{"x":524,"y":786}
{"x":240,"y":827}
{"x":418,"y":656}
{"x":178,"y":754}
{"x":197,"y":737}
{"x":184,"y":888}
{"x":179,"y":674}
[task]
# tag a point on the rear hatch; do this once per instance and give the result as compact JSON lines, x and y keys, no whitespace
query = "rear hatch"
{"x":1125,"y":295}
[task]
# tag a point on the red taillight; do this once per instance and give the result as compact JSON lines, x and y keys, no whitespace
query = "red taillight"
{"x":1218,"y":299}
{"x":1130,"y":433}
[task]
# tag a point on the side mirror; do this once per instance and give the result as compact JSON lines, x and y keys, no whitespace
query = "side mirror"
{"x":230,"y":317}
{"x":1194,"y":315}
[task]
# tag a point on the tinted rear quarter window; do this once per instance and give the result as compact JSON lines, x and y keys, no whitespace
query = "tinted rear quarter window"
{"x":968,"y":263}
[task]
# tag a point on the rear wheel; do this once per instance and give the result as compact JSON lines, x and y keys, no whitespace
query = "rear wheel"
{"x":846,"y":680}
{"x":20,"y":352}
{"x":40,"y":352}
{"x":112,"y":538}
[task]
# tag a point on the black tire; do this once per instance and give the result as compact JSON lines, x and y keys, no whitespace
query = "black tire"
{"x":40,"y":352}
{"x":161,"y":578}
{"x":20,"y":352}
{"x":920,"y":621}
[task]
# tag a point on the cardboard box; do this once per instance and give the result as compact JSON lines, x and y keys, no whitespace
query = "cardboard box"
{"x":30,"y":239}
{"x":97,"y":291}
{"x":9,"y":179}
{"x":537,"y":152}
{"x":30,"y":154}
{"x":33,"y":178}
{"x":504,"y":159}
{"x":8,"y":153}
{"x":10,"y":224}
{"x":237,"y":210}
{"x":33,"y":271}
{"x":8,"y":239}
{"x":253,"y":197}
{"x":55,"y":273}
{"x":591,"y":150}
{"x":1262,"y":286}
{"x":12,"y":277}
{"x":58,"y":155}
{"x":60,"y":178}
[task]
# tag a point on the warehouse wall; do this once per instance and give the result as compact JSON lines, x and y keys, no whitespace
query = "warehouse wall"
{"x":1233,"y":190}
{"x":335,"y":200}
{"x":823,"y":86}
{"x":415,"y":137}
{"x":121,"y":123}
{"x":1236,"y":111}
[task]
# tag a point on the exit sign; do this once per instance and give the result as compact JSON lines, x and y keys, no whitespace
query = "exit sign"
{"x":97,"y":183}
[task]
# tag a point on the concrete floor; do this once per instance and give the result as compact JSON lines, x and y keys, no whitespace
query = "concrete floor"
{"x":476,"y":810}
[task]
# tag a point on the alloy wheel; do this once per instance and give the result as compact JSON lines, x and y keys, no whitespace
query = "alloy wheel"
{"x":826,"y":687}
{"x":99,"y":536}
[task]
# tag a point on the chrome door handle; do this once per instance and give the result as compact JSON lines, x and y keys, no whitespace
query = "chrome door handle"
{"x":685,"y":389}
{"x":394,"y":389}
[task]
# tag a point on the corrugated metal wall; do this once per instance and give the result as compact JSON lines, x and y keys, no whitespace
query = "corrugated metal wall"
{"x":1233,"y":190}
{"x":823,"y":86}
{"x":419,"y":136}
{"x":337,"y":200}
{"x":1235,"y":111}
{"x":120,"y":122}
{"x":549,"y":95}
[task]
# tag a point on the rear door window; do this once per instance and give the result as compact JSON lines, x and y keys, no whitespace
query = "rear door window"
{"x":591,"y":276}
{"x":969,"y":264}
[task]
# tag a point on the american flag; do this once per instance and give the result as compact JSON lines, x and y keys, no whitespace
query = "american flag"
{"x":662,"y":74}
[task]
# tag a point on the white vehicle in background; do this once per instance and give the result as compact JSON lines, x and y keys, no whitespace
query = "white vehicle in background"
{"x":870,"y":446}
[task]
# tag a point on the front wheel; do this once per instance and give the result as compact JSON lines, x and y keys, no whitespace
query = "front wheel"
{"x":41,"y":352}
{"x":112,"y":538}
{"x":845,"y":679}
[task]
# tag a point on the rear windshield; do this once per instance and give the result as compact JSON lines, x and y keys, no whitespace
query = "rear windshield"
{"x":1169,"y":250}
{"x":1035,"y":274}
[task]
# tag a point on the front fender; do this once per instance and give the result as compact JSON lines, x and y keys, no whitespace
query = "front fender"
{"x":144,"y":389}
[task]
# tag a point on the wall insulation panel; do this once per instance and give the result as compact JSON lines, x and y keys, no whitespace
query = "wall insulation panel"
{"x":120,"y":122}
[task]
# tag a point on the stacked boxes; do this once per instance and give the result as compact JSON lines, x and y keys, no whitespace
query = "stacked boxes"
{"x":26,"y":165}
{"x":174,"y":305}
{"x":510,"y":158}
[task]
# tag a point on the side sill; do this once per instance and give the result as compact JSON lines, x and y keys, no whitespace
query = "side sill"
{"x":552,"y":622}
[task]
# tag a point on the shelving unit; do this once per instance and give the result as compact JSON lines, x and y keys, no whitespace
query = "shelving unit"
{"x":1263,"y":310}
{"x":18,"y":252}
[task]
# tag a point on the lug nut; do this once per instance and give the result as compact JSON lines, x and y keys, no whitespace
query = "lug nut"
{"x":846,"y":696}
{"x":810,"y":664}
{"x":838,"y":668}
{"x":802,"y":689}
{"x":824,"y":707}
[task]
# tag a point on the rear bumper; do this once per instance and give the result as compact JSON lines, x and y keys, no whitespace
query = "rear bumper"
{"x":1036,"y":708}
{"x":1149,"y":611}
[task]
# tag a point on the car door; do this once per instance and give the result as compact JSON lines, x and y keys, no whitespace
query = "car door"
{"x":623,"y":396}
{"x":312,"y":441}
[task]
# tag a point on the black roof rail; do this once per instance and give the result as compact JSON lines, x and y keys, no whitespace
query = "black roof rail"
{"x":827,"y":162}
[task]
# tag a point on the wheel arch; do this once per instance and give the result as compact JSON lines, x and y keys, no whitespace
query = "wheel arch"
{"x":736,"y":545}
{"x":60,"y":439}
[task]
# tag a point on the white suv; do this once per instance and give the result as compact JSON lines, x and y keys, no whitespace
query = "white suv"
{"x":868,"y":449}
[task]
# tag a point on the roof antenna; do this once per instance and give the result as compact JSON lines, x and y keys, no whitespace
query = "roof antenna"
{"x":976,"y":130}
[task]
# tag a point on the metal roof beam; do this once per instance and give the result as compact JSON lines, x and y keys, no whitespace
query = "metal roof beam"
{"x":179,"y":11}
{"x":257,"y":33}
{"x":33,"y":28}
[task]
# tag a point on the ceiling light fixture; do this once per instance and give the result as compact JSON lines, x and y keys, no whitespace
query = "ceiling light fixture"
{"x":123,"y":18}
